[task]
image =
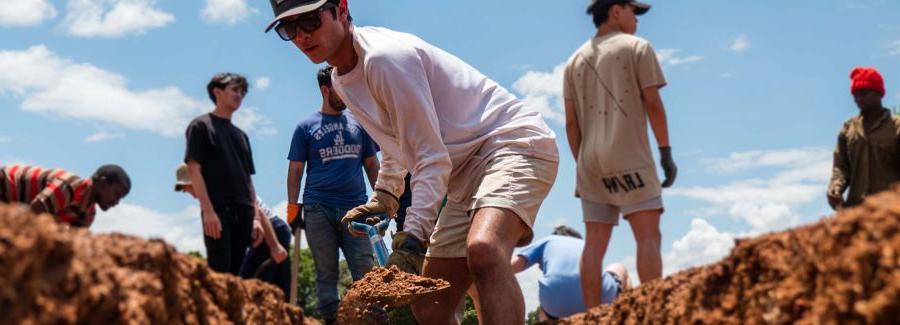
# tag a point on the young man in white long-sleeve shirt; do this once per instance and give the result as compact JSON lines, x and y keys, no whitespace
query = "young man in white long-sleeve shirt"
{"x":459,"y":133}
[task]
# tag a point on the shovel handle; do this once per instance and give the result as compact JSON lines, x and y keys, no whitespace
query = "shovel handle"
{"x":379,"y":249}
{"x":295,"y":264}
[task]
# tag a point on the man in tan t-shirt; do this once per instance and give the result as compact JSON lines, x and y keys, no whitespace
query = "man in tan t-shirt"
{"x":611,"y":89}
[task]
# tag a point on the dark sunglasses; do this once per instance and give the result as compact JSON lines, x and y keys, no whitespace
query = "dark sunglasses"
{"x":308,"y":22}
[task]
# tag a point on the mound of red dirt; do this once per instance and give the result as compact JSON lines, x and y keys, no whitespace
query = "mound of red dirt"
{"x":53,"y":275}
{"x":368,"y":299}
{"x":844,"y":269}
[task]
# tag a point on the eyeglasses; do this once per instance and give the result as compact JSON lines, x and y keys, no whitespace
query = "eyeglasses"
{"x":308,"y":22}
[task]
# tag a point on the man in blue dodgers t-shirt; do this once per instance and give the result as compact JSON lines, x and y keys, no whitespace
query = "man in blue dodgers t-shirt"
{"x":559,"y":256}
{"x":335,"y":150}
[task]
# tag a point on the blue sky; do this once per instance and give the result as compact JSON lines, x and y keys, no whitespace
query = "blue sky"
{"x":756,"y":94}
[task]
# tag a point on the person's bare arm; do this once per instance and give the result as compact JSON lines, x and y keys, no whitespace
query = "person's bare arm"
{"x":518,"y":263}
{"x":295,"y":176}
{"x":211,"y":225}
{"x":371,"y":165}
{"x":277,"y":252}
{"x":656,"y":113}
{"x":573,"y":131}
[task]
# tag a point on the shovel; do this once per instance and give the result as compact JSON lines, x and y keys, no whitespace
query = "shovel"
{"x":295,"y":262}
{"x":381,"y":256}
{"x":374,"y":232}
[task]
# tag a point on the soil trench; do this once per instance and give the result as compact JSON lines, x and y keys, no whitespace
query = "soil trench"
{"x":844,"y":269}
{"x":50,"y":274}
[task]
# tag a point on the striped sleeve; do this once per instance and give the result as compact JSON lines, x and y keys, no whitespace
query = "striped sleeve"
{"x":56,"y":196}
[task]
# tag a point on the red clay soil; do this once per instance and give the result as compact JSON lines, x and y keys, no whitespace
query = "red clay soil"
{"x":383,"y":288}
{"x":841,"y":270}
{"x":53,"y":275}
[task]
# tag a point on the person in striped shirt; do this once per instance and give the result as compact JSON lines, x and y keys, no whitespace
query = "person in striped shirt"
{"x":65,"y":195}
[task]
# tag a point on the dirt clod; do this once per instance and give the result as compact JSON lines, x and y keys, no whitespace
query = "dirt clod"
{"x":368,"y":299}
{"x":53,"y":275}
{"x":842,"y":270}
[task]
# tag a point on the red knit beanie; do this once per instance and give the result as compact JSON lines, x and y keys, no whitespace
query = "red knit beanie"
{"x":866,"y":78}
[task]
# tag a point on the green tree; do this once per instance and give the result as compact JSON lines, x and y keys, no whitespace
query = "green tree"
{"x":197,"y":255}
{"x":470,"y":316}
{"x":531,"y":318}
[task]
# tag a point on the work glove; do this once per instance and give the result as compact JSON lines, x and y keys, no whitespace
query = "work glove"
{"x":382,"y":202}
{"x":371,"y":221}
{"x":668,"y":166}
{"x":408,"y":253}
{"x":835,"y":197}
{"x":294,"y":216}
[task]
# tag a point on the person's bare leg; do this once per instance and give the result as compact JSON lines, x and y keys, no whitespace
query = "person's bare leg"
{"x":645,"y":226}
{"x":596,"y":241}
{"x":453,"y":270}
{"x":473,"y":292}
{"x":489,"y":246}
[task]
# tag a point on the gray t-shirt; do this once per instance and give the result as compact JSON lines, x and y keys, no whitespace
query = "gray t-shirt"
{"x":604,"y":79}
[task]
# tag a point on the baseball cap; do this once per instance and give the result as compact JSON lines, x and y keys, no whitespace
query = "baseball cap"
{"x":181,"y":177}
{"x":287,"y":8}
{"x":640,"y":8}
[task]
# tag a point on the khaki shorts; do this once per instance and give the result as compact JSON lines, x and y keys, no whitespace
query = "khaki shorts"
{"x":514,"y":182}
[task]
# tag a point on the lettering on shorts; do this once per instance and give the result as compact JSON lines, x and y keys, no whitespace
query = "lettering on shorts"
{"x":626,"y":183}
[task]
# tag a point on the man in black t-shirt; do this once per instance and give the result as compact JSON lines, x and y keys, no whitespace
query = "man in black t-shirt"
{"x":220,"y":162}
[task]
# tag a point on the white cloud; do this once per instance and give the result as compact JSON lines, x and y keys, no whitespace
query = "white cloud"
{"x":262,"y":83}
{"x":703,"y":244}
{"x":5,"y":139}
{"x":771,"y":203}
{"x":228,"y":12}
{"x":59,"y":88}
{"x":740,"y":44}
{"x":249,"y":120}
{"x":24,"y":13}
{"x":103,"y":136}
{"x":182,"y":229}
{"x":796,"y":157}
{"x":670,"y":58}
{"x":895,"y":48}
{"x":542,"y":91}
{"x":113,"y":18}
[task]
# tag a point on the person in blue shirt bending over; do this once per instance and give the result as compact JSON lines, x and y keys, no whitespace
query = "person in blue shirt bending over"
{"x":559,"y":256}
